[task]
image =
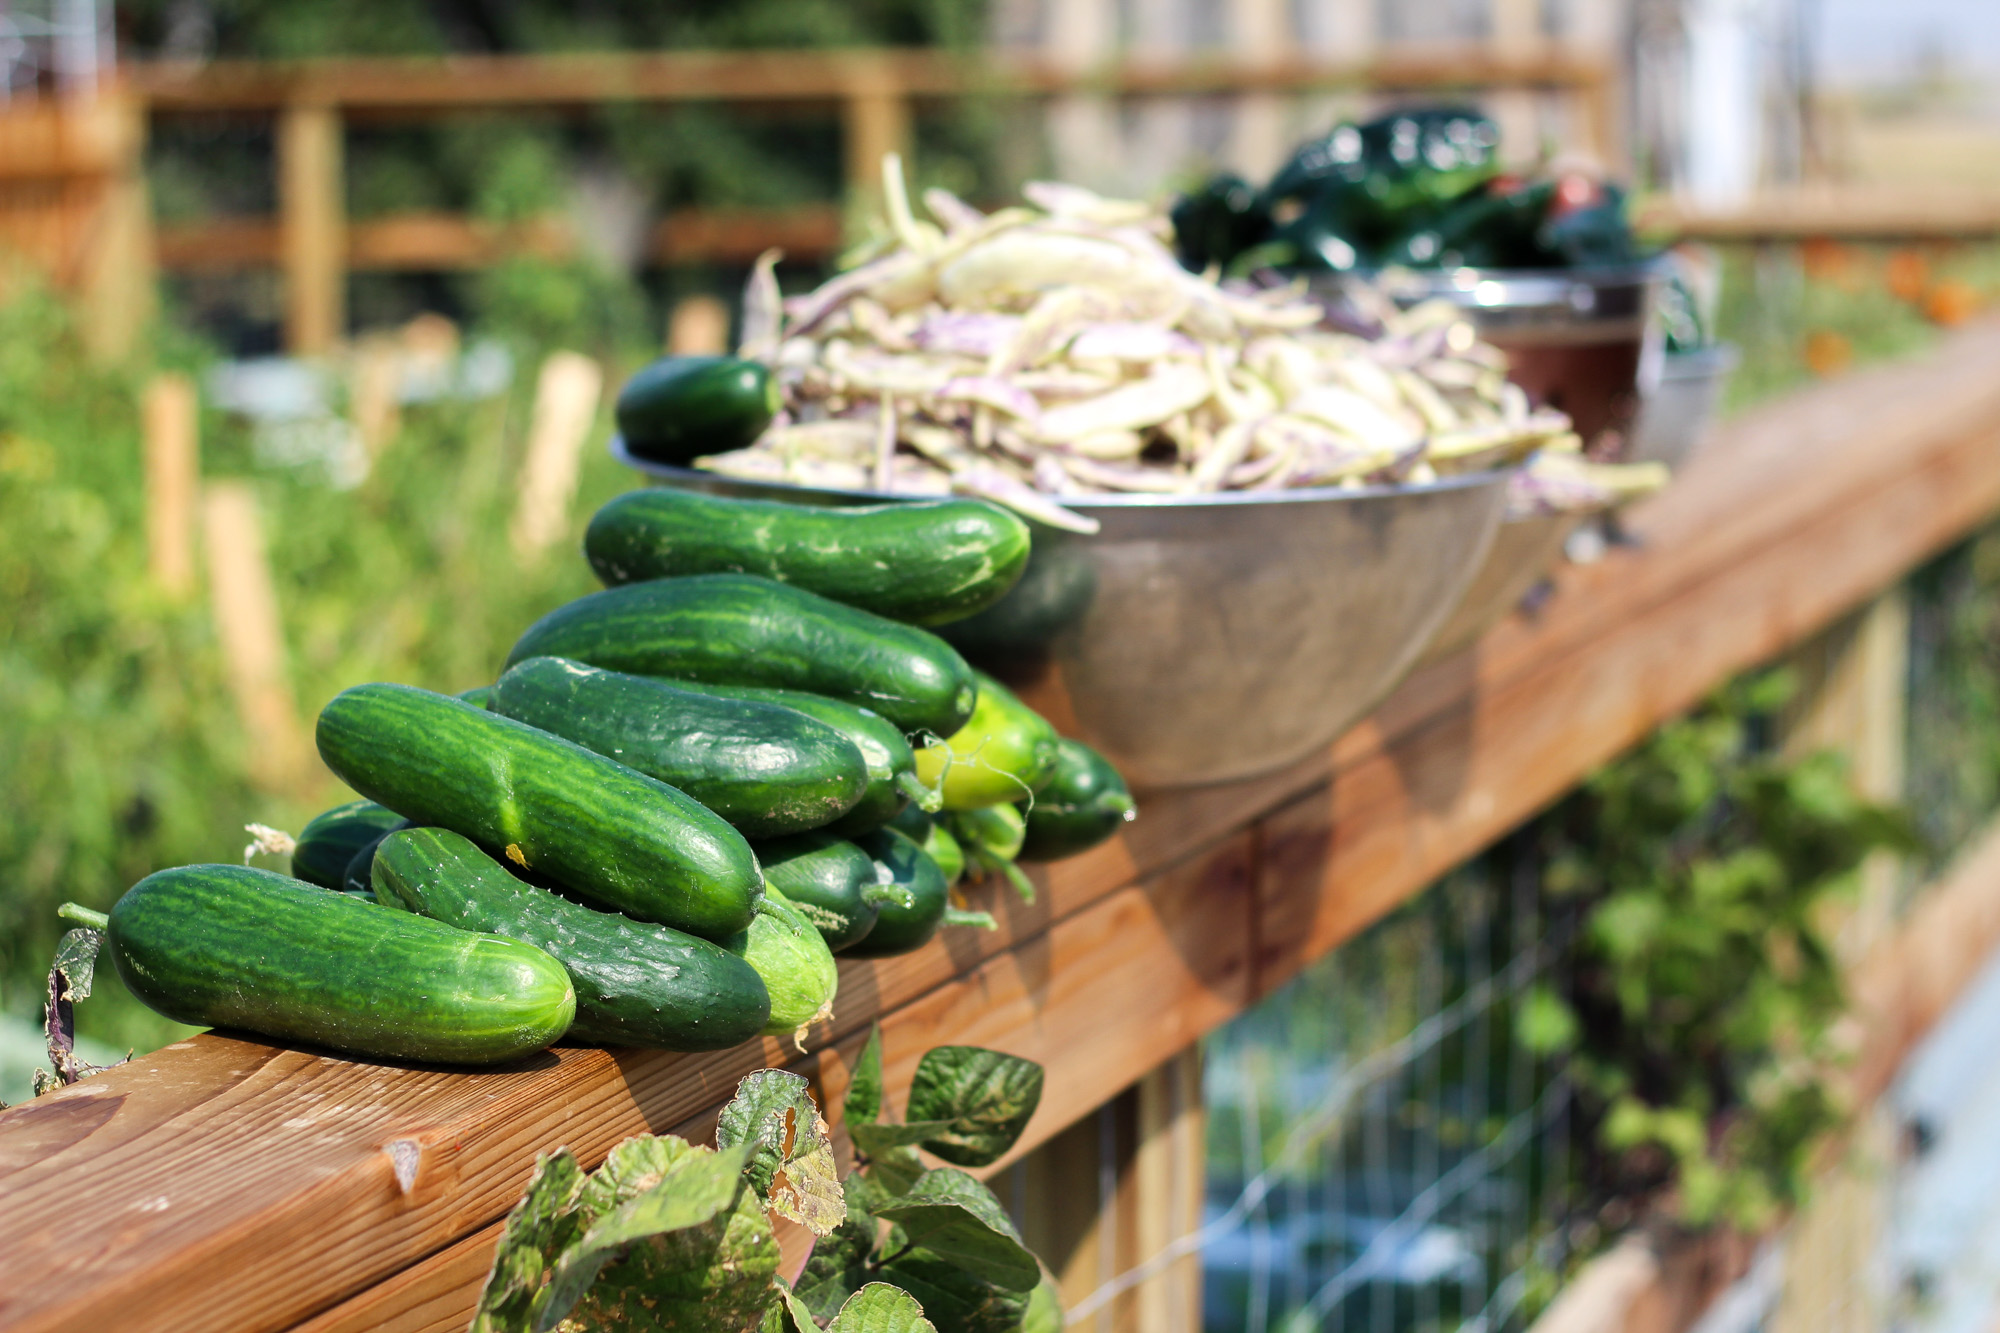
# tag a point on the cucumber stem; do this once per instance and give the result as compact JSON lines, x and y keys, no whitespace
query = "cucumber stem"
{"x":912,"y":786}
{"x":877,"y":894}
{"x":954,"y":916}
{"x":83,"y":916}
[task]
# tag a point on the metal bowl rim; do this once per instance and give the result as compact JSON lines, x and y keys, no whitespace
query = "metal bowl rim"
{"x":1135,"y":500}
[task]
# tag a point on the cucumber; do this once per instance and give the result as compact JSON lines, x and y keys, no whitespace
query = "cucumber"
{"x":901,"y":927}
{"x":358,"y":877}
{"x":1003,"y":753}
{"x":637,"y":984}
{"x":935,"y":839}
{"x":332,"y":838}
{"x":237,"y":947}
{"x":792,"y":958}
{"x":546,"y":804}
{"x":681,"y":407}
{"x":738,"y":629}
{"x":991,"y":837}
{"x":892,"y":765}
{"x":827,"y":879}
{"x":479,"y":696}
{"x":924,"y":561}
{"x":767,"y":770}
{"x":1083,"y":803}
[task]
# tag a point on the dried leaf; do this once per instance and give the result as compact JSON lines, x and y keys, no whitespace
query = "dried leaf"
{"x":790,"y":1152}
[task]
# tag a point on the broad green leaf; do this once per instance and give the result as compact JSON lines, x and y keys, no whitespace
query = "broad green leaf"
{"x":891,"y":1174}
{"x":718,"y":1277}
{"x":633,"y":1167}
{"x":542,"y":1225}
{"x":838,"y":1265}
{"x":957,"y":1219}
{"x":881,"y":1308}
{"x":988,"y":1098}
{"x":692,"y":1191}
{"x":793,"y":1315}
{"x":1045,"y":1312}
{"x":878,"y":1139}
{"x":864,"y":1091}
{"x":791,"y":1157}
{"x":954,"y":1300}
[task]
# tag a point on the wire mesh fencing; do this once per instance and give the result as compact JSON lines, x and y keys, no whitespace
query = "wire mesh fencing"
{"x":1385,"y":1156}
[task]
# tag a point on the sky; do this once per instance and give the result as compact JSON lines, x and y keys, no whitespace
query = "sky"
{"x":1867,"y":41}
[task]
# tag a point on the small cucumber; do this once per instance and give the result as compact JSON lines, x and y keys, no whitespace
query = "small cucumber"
{"x":828,"y":879}
{"x":331,"y":839}
{"x":769,"y":771}
{"x":479,"y":696}
{"x":678,"y":408}
{"x":923,"y":561}
{"x":937,"y":842}
{"x":1084,"y":803}
{"x":901,"y":927}
{"x":637,"y":984}
{"x":233,"y":946}
{"x":737,"y":629}
{"x":1003,"y":753}
{"x":991,"y":837}
{"x":892,"y":765}
{"x":792,"y":958}
{"x":358,"y":878}
{"x":546,"y":804}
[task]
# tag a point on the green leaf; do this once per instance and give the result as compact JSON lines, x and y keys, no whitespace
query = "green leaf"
{"x":878,"y":1139}
{"x":791,"y":1156}
{"x":864,"y":1091}
{"x":542,"y":1225}
{"x":960,"y":1221}
{"x":1545,"y":1023}
{"x":987,"y":1096}
{"x":881,"y":1308}
{"x":788,"y":1314}
{"x":693,"y":1190}
{"x":838,"y":1266}
{"x":953,"y":1299}
{"x":1045,"y":1312}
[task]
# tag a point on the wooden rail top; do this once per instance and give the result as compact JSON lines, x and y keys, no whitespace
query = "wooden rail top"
{"x":484,"y":81}
{"x":227,"y":1182}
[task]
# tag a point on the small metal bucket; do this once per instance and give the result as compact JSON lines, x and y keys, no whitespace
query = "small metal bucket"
{"x":1675,"y":415}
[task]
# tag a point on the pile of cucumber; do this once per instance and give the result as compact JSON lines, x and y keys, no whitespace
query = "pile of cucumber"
{"x":682,"y":797}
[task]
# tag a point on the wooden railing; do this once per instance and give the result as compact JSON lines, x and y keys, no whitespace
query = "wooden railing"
{"x":287,"y":1188}
{"x":873,"y":93}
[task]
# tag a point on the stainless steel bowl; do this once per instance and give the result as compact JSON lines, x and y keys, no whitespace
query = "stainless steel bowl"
{"x":1675,"y":415}
{"x":1201,"y":639}
{"x":1523,"y":550}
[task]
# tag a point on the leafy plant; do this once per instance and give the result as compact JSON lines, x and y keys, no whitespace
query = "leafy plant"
{"x":1702,"y":987}
{"x":670,"y":1236}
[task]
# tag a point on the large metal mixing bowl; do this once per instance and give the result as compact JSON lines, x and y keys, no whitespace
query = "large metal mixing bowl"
{"x":1200,"y":639}
{"x":1523,"y":550}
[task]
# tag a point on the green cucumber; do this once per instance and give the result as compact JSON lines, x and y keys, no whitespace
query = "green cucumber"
{"x":892,"y":765}
{"x":332,"y":838}
{"x":358,"y":878}
{"x":237,"y":947}
{"x":678,"y":408}
{"x":1084,"y":803}
{"x":901,"y":927}
{"x":738,"y":629}
{"x":546,"y":804}
{"x":767,"y":770}
{"x":1003,"y":753}
{"x":936,"y":840}
{"x":992,"y":837}
{"x":479,"y":696}
{"x":637,"y":984}
{"x":792,"y":958}
{"x":924,"y":561}
{"x":826,"y":878}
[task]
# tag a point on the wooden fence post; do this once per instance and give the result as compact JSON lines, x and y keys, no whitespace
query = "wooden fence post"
{"x":170,"y":425}
{"x":875,"y":120}
{"x":253,"y":642}
{"x":313,"y":225}
{"x":566,"y":396}
{"x":700,"y":324}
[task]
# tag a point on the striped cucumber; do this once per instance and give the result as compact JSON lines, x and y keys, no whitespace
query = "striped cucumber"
{"x":737,"y":629}
{"x":548,"y":805}
{"x":330,"y":840}
{"x":902,"y":926}
{"x":828,"y":879}
{"x":237,"y":947}
{"x":1003,"y":753}
{"x":1083,"y":803}
{"x":923,"y":561}
{"x":637,"y":984}
{"x":792,"y":958}
{"x":769,"y":771}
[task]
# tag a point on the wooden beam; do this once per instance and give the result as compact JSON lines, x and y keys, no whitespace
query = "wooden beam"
{"x":178,"y":1169}
{"x":1833,"y":213}
{"x":244,"y":601}
{"x":170,"y":416}
{"x":312,"y":227}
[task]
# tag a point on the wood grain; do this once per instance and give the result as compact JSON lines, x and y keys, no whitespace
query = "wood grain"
{"x":177,"y":1171}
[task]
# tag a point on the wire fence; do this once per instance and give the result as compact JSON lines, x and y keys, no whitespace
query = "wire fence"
{"x":1384,"y":1155}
